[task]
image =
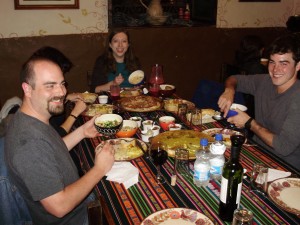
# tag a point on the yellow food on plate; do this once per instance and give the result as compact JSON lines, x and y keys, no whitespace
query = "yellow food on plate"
{"x":187,"y":139}
{"x":98,"y":109}
{"x":171,"y":105}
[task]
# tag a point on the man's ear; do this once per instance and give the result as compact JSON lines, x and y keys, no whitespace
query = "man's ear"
{"x":27,"y":89}
{"x":298,"y":66}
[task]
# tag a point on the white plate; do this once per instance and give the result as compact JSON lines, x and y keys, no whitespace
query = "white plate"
{"x":226,"y":133}
{"x":180,"y":216}
{"x":136,"y":77}
{"x":124,"y":151}
{"x":285,"y":193}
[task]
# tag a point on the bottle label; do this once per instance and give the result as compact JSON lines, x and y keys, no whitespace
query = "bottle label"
{"x":201,"y":175}
{"x":216,"y":169}
{"x":223,"y":192}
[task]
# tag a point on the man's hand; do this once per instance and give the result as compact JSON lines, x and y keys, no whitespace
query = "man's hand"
{"x":104,"y":158}
{"x":240,"y":119}
{"x":226,"y":100}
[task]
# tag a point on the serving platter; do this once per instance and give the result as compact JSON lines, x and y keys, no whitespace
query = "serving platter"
{"x":125,"y":148}
{"x":285,"y":193}
{"x":186,"y":139}
{"x":180,"y":216}
{"x":142,"y":103}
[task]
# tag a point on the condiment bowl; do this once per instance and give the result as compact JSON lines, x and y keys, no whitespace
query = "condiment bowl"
{"x":166,"y":90}
{"x":232,"y":111}
{"x":108,"y":124}
{"x":165,"y":121}
{"x":128,"y":129}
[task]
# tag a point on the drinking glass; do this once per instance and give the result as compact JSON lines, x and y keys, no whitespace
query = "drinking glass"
{"x":259,"y":176}
{"x":242,"y":217}
{"x":181,"y":162}
{"x":154,"y":90}
{"x":115,"y":92}
{"x":159,"y":157}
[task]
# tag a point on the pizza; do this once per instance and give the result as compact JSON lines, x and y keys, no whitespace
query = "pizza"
{"x":186,"y":139}
{"x":141,"y":103}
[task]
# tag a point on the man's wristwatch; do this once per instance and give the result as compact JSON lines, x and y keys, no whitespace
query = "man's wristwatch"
{"x":248,"y":124}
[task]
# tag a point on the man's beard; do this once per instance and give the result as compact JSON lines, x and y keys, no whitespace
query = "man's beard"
{"x":56,"y":109}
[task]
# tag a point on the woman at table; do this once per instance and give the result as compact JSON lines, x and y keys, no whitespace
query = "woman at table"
{"x":115,"y":64}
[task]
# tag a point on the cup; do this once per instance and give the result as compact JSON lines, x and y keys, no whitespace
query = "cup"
{"x":137,"y":119}
{"x":147,"y":124}
{"x":115,"y":92}
{"x":103,"y":99}
{"x":258,"y":179}
{"x":155,"y":129}
{"x":242,"y":217}
{"x":181,"y":162}
{"x":196,"y":117}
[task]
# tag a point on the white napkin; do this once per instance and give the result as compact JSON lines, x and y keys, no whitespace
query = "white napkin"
{"x":277,"y":174}
{"x":125,"y":173}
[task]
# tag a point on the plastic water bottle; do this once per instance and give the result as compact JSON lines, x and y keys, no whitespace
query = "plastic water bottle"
{"x":202,"y":166}
{"x":217,"y":158}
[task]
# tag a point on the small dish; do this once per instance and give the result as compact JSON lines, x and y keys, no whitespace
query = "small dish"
{"x":147,"y":124}
{"x":128,"y":129}
{"x":137,"y":119}
{"x":103,"y":99}
{"x":175,"y":126}
{"x":165,"y":121}
{"x":166,"y":90}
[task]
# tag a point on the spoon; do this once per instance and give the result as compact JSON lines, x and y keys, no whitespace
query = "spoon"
{"x":218,"y":117}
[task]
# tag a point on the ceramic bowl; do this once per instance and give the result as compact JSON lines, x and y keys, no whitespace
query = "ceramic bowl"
{"x":166,"y":90}
{"x":128,"y":129}
{"x":103,"y":99}
{"x":147,"y":124}
{"x":165,"y":121}
{"x":175,"y":126}
{"x":108,"y":124}
{"x":233,"y":107}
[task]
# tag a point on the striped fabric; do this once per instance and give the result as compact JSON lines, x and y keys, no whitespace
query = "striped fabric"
{"x":133,"y":205}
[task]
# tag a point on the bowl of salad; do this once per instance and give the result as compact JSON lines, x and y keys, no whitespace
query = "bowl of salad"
{"x":108,"y":124}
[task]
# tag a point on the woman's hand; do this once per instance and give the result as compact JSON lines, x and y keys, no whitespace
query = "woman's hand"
{"x":79,"y":107}
{"x":73,"y":97}
{"x":119,"y":79}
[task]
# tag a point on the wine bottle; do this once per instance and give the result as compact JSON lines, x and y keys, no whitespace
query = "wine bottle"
{"x":231,"y":184}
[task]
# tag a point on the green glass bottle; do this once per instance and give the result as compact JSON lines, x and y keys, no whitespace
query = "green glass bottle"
{"x":232,"y":177}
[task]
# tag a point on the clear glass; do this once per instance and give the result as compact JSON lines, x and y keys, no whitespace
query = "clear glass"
{"x":115,"y":92}
{"x":242,"y":217}
{"x":181,"y":163}
{"x":258,"y":180}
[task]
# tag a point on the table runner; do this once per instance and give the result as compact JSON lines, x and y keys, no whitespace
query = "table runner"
{"x":131,"y":206}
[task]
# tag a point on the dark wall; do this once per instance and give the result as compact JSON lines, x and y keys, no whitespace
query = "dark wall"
{"x":188,"y":54}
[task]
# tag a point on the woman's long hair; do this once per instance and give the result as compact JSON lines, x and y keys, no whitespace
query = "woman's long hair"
{"x":130,"y":60}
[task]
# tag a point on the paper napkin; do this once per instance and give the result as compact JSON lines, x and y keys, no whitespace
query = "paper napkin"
{"x":277,"y":174}
{"x":124,"y":173}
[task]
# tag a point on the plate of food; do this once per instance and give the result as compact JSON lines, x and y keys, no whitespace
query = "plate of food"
{"x":207,"y":115}
{"x":226,"y":133}
{"x":180,"y":216}
{"x":89,"y":97}
{"x":126,"y":148}
{"x":136,"y":77}
{"x":285,"y":193}
{"x":171,"y":105}
{"x":98,"y":109}
{"x":187,"y":139}
{"x":130,"y":92}
{"x":142,"y":103}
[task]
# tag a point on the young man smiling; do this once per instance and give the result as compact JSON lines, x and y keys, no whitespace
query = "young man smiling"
{"x":277,"y":101}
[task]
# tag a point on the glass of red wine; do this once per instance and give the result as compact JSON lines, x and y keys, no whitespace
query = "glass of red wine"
{"x":159,"y":157}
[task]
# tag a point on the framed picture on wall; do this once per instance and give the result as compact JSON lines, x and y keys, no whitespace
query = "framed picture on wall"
{"x":259,"y":0}
{"x":46,"y":4}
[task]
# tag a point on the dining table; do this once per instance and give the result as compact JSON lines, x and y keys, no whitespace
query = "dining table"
{"x":123,"y":206}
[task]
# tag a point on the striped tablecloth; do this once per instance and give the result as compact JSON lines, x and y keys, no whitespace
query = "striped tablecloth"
{"x":131,"y":206}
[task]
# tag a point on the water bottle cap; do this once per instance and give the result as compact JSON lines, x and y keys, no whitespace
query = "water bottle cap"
{"x":218,"y":137}
{"x":204,"y":141}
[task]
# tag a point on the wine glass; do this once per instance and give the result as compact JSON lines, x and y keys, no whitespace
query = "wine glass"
{"x":159,"y":157}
